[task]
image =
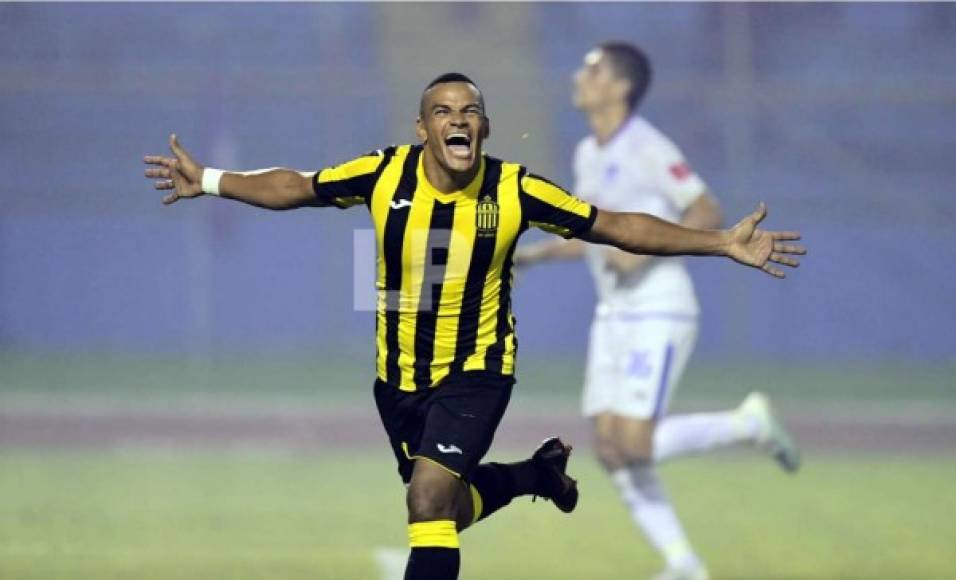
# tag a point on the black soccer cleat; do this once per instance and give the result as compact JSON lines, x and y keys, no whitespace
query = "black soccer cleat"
{"x":551,"y":461}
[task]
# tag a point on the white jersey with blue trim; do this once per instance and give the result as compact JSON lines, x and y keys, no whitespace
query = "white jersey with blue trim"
{"x":638,"y":170}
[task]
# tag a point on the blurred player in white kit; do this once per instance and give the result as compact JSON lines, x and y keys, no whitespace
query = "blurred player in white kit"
{"x":645,"y":322}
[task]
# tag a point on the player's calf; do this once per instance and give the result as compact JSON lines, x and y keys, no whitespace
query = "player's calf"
{"x":494,"y":485}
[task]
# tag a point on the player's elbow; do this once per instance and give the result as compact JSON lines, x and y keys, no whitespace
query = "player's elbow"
{"x":290,"y":190}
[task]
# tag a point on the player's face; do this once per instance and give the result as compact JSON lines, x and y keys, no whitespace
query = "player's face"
{"x":453,"y":125}
{"x":595,"y":84}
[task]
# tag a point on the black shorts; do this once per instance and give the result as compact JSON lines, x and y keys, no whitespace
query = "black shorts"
{"x":451,"y":424}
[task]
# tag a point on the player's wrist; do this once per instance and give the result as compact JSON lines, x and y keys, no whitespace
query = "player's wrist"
{"x":726,"y":244}
{"x":211,"y":178}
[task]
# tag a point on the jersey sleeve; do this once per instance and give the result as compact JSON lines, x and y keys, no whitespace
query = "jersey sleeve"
{"x":674,"y":175}
{"x":546,"y":206}
{"x":350,"y":183}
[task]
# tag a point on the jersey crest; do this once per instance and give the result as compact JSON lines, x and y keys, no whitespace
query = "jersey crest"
{"x":486,"y":217}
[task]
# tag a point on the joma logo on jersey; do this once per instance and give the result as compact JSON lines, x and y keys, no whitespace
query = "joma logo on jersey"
{"x":486,"y":217}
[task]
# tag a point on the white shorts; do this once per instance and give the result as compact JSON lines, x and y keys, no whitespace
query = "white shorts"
{"x":635,"y":362}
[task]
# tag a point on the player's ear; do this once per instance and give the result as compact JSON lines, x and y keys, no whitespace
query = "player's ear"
{"x":420,"y":130}
{"x":485,"y":128}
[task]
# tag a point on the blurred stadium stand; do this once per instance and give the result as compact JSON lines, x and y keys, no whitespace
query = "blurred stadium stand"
{"x":840,"y":116}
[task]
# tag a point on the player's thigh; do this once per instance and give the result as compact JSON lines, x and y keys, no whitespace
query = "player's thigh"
{"x":462,"y":419}
{"x":602,"y":372}
{"x":652,"y":355}
{"x":403,"y":417}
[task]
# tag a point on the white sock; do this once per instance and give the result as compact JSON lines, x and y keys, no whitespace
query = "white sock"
{"x":652,"y":512}
{"x":685,"y":434}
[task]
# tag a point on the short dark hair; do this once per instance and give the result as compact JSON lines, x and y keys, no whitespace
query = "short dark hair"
{"x":451,"y":77}
{"x":630,"y":63}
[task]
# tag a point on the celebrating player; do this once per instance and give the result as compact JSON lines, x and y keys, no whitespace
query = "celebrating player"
{"x":447,"y":219}
{"x":645,"y":323}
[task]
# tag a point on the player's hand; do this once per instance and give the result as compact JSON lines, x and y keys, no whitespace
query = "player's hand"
{"x":762,"y":249}
{"x":179,"y":173}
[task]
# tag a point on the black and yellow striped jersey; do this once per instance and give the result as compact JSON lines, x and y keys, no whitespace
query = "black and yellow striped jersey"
{"x":444,"y":259}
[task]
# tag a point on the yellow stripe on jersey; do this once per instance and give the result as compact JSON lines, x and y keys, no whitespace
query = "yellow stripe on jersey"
{"x":453,"y":287}
{"x":350,"y":169}
{"x":554,"y":210}
{"x":379,"y":207}
{"x":554,"y":196}
{"x":510,"y":201}
{"x":550,"y":228}
{"x":413,"y":275}
{"x":509,"y":226}
{"x":459,"y":244}
{"x":347,"y":184}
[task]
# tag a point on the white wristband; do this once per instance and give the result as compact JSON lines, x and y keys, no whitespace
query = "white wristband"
{"x":210,"y":180}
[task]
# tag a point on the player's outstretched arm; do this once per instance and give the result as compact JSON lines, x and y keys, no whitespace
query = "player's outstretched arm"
{"x":745,"y":242}
{"x":185,"y":178}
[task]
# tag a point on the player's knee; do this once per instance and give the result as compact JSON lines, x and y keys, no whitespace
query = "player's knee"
{"x":606,"y":452}
{"x":428,"y":502}
{"x":635,"y":450}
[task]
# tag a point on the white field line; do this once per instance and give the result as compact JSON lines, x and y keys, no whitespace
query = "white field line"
{"x":391,"y":562}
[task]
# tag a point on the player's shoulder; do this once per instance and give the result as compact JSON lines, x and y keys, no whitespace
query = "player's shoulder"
{"x":505,"y":170}
{"x":585,"y":147}
{"x":645,"y":139}
{"x":388,"y":151}
{"x":644,"y":134}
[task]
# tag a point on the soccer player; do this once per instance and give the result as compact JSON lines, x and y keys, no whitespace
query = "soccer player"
{"x":447,"y":219}
{"x":645,"y":322}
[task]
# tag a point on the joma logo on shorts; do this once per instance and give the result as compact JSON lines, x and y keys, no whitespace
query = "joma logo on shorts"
{"x":448,"y":449}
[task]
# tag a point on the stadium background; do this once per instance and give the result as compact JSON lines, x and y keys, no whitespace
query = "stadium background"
{"x":139,"y":344}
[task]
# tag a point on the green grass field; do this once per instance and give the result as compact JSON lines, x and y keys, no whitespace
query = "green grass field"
{"x":153,"y":515}
{"x":346,"y":378}
{"x":178,"y":514}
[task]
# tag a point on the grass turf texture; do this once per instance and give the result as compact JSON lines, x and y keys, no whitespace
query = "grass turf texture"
{"x":146,"y":514}
{"x":33,"y":380}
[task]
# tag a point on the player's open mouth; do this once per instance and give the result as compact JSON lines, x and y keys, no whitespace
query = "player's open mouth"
{"x":459,"y":145}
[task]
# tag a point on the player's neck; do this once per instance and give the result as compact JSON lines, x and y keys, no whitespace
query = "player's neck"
{"x":444,"y":180}
{"x":606,"y":122}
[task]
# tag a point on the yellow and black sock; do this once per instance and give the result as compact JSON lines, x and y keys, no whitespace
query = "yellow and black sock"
{"x":496,"y":484}
{"x":434,"y":553}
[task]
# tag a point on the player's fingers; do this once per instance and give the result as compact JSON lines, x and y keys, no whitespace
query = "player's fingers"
{"x":795,"y":249}
{"x":164,"y":184}
{"x":786,"y":235}
{"x":171,"y":198}
{"x":785,"y":260}
{"x":773,"y":271}
{"x":175,"y":147}
{"x":158,"y":160}
{"x":759,"y":213}
{"x":157,"y":172}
